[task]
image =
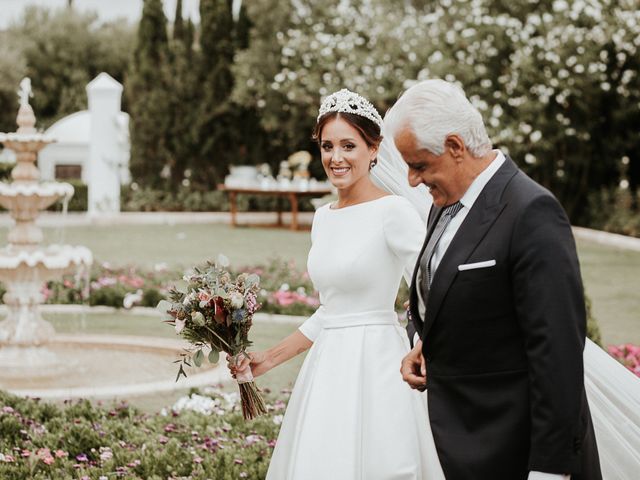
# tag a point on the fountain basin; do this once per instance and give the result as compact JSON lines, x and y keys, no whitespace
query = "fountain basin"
{"x":25,"y":200}
{"x":52,"y":258}
{"x":100,"y":366}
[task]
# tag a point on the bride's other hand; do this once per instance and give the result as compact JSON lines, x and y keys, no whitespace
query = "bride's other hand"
{"x":413,"y":368}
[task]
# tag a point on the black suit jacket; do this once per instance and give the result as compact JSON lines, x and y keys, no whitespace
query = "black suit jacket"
{"x":504,"y":344}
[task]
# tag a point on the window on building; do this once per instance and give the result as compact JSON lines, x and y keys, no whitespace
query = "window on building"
{"x":68,"y":172}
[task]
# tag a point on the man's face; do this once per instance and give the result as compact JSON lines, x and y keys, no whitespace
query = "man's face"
{"x":441,"y":174}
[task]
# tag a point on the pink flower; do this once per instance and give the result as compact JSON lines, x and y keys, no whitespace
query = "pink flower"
{"x":627,"y":354}
{"x":61,"y":454}
{"x":205,"y":298}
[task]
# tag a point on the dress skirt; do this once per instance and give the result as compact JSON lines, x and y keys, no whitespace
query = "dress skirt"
{"x":351,"y":416}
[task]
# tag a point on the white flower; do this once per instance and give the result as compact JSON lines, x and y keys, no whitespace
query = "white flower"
{"x":131,"y":298}
{"x":284,"y":287}
{"x":179,"y":325}
{"x":277,"y":419}
{"x":237,"y":300}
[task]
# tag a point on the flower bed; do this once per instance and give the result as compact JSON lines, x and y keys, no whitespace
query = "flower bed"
{"x":627,"y":354}
{"x":200,"y":437}
{"x":285,"y":289}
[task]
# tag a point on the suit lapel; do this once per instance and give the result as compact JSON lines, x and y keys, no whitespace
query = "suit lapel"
{"x":479,"y":220}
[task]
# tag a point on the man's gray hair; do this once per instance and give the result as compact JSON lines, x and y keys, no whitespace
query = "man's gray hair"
{"x":434,"y":109}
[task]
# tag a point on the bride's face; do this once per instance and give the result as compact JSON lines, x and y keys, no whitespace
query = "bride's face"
{"x":346,"y":157}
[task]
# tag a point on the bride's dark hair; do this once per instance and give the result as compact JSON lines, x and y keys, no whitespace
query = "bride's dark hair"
{"x":369,"y":131}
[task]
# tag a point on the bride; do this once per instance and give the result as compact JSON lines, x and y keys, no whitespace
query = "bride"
{"x":350,"y":416}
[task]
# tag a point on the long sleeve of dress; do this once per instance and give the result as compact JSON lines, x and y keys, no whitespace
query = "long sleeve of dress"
{"x":405,"y":232}
{"x":311,"y":327}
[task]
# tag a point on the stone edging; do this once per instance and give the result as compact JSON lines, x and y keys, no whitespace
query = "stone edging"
{"x":149,"y":312}
{"x":610,"y":239}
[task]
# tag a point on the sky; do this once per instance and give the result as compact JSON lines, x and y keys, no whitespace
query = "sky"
{"x":11,"y":10}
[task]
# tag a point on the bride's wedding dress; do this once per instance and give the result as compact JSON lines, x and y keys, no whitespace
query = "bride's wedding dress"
{"x":350,"y":415}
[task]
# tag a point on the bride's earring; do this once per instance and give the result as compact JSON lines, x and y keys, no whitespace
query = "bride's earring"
{"x":373,"y":163}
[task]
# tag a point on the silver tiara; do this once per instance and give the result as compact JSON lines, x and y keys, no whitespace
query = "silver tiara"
{"x":346,"y":101}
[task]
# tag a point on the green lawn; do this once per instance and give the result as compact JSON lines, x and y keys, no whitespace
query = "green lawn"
{"x":612,"y":280}
{"x":182,"y":245}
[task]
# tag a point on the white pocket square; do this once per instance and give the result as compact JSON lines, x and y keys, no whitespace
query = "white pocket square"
{"x":473,"y":266}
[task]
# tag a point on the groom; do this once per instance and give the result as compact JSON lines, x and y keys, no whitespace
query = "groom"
{"x":497,"y":301}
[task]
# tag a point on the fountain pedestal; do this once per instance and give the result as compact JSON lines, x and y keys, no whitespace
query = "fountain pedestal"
{"x":24,"y":264}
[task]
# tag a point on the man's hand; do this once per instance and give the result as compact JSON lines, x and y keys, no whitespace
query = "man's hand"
{"x":413,"y":368}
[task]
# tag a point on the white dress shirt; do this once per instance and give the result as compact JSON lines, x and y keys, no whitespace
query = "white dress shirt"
{"x":467,"y":201}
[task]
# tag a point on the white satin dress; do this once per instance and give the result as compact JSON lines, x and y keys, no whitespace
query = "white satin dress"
{"x":350,"y":415}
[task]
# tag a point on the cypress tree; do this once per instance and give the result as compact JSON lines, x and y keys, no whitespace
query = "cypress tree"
{"x":216,"y":136}
{"x":147,"y":96}
{"x":243,"y":27}
{"x":178,"y":23}
{"x":183,"y":100}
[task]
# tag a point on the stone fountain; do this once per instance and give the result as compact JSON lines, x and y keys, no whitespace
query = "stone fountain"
{"x":34,"y":360}
{"x":25,"y":264}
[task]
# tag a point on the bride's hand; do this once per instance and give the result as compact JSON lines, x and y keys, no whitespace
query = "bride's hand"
{"x":255,"y":360}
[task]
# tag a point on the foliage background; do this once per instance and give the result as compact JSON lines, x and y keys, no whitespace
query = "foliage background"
{"x":556,"y":81}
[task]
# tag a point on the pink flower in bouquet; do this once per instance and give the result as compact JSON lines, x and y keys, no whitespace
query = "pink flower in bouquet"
{"x":251,"y":302}
{"x":205,"y":297}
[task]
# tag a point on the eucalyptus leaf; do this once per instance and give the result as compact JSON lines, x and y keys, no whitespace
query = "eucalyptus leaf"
{"x":181,"y":286}
{"x":163,"y":306}
{"x":252,"y":280}
{"x":182,"y":373}
{"x":198,"y":357}
{"x":214,"y":356}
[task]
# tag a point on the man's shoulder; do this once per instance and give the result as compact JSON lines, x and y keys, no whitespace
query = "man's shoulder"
{"x":523,"y":189}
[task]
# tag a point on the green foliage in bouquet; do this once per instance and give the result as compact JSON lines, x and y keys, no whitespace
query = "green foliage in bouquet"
{"x":215,"y":313}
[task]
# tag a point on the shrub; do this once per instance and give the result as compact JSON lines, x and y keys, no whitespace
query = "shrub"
{"x":615,"y":210}
{"x":5,"y":171}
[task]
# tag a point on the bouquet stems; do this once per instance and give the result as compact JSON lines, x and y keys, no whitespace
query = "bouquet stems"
{"x":251,"y":400}
{"x":252,"y":403}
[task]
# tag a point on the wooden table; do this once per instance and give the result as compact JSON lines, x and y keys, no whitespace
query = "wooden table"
{"x":292,"y":195}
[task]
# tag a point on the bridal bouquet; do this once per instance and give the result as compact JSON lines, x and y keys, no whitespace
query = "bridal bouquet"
{"x":215,"y":313}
